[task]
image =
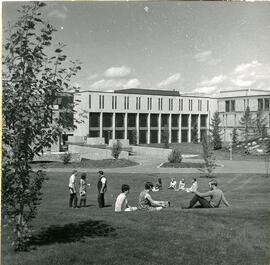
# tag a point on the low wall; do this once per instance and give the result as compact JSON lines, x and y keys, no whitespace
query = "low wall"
{"x":124,"y":142}
{"x":95,"y":140}
{"x":151,"y":151}
{"x":76,"y":139}
{"x":88,"y":152}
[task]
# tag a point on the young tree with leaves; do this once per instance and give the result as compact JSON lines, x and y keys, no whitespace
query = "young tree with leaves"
{"x":247,"y":124}
{"x":208,"y":154}
{"x":116,"y":149}
{"x":215,"y":131}
{"x":35,"y":74}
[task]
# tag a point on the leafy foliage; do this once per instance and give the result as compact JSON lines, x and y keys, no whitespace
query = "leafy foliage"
{"x":208,"y":154}
{"x":35,"y":76}
{"x":247,"y":123}
{"x":116,"y":149}
{"x":175,"y":156}
{"x":215,"y":130}
{"x":66,"y":157}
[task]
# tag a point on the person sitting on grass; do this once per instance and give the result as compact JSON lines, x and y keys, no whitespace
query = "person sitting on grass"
{"x":121,"y":204}
{"x":193,"y":187}
{"x":158,"y":185}
{"x":147,"y":203}
{"x":181,"y":185}
{"x":172,"y":184}
{"x":216,"y":196}
{"x":82,"y":190}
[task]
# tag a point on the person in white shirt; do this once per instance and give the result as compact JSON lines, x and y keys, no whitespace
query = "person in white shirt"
{"x":72,"y":190}
{"x":181,"y":185}
{"x":172,"y":184}
{"x":193,"y":187}
{"x":121,"y":204}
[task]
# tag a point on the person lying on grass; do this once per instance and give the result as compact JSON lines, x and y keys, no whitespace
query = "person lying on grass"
{"x":216,"y":196}
{"x":121,"y":204}
{"x":147,"y":203}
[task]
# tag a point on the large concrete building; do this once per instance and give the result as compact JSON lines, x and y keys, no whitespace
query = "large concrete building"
{"x":232,"y":105}
{"x":146,"y":113}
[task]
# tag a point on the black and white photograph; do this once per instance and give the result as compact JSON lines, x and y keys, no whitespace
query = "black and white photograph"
{"x":135,"y":133}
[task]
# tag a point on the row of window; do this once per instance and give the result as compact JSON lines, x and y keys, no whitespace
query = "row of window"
{"x":263,"y":104}
{"x":149,"y":103}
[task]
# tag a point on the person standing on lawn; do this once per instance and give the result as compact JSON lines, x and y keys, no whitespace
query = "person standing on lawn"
{"x":72,"y":189}
{"x":82,"y":190}
{"x":216,"y":197}
{"x":102,"y":188}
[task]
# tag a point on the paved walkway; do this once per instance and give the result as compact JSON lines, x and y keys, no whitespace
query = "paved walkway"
{"x":151,"y":165}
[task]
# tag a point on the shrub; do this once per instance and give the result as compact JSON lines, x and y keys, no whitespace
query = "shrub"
{"x":116,"y":149}
{"x":66,"y":157}
{"x":175,"y":156}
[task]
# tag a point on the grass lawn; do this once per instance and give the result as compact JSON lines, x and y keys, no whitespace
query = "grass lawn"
{"x":191,"y":148}
{"x":87,"y":163}
{"x":239,"y":235}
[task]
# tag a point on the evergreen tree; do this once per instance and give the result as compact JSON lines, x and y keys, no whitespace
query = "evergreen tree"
{"x":215,"y":130}
{"x":260,"y":125}
{"x":234,"y":136}
{"x":247,"y":124}
{"x":35,"y":75}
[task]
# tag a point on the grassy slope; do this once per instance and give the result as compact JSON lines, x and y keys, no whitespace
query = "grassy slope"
{"x":239,"y":235}
{"x":190,"y":148}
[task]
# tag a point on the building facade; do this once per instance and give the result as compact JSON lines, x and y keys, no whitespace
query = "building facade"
{"x":143,"y":116}
{"x":231,"y":106}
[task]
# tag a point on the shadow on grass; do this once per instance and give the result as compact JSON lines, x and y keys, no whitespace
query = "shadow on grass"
{"x":72,"y":232}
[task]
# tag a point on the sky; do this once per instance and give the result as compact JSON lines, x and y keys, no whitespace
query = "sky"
{"x":198,"y":47}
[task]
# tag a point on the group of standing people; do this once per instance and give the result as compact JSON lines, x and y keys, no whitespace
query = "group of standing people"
{"x":73,"y":199}
{"x":145,"y":200}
